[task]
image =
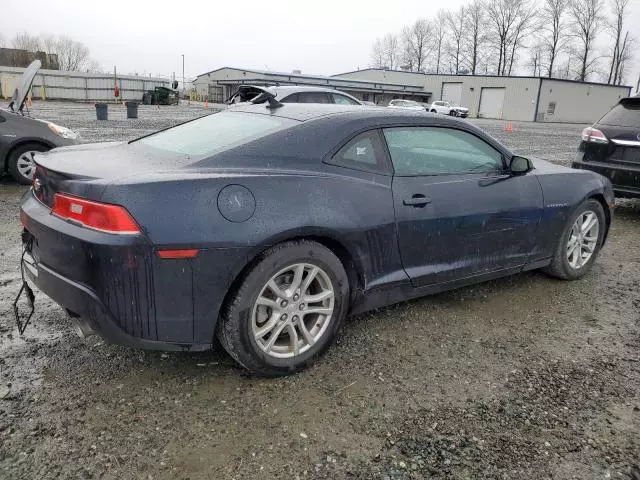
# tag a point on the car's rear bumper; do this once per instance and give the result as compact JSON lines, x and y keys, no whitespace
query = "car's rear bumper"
{"x":84,"y":302}
{"x":122,"y":288}
{"x":613,"y":172}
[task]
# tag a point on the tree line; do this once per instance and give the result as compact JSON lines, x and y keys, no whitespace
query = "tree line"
{"x":573,"y":39}
{"x":72,"y":54}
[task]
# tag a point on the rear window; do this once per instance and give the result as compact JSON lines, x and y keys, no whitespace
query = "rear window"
{"x":623,"y":115}
{"x":216,"y":132}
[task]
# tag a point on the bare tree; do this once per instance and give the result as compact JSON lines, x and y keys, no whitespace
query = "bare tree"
{"x":505,"y":17}
{"x":377,"y":54}
{"x":439,"y":39}
{"x":2,"y":41}
{"x":416,"y":44}
{"x":474,"y":32}
{"x":72,"y":55}
{"x":525,"y":19}
{"x":455,"y":23}
{"x":535,"y":60}
{"x":619,"y":8}
{"x":26,"y":41}
{"x":586,"y":16}
{"x":552,"y":25}
{"x":625,"y":55}
{"x":391,"y":50}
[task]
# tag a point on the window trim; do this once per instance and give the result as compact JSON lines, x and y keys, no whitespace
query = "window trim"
{"x":503,"y":156}
{"x":387,"y":165}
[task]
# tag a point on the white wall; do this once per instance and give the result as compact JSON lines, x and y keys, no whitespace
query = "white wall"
{"x":61,"y":85}
{"x":577,"y":102}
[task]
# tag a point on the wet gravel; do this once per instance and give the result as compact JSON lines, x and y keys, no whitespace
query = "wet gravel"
{"x":523,"y":377}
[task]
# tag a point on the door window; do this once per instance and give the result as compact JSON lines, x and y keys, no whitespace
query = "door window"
{"x":364,"y":152}
{"x":313,"y":97}
{"x":439,"y":151}
{"x":342,"y":100}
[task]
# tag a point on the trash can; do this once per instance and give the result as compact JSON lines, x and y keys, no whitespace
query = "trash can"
{"x":132,"y":109}
{"x":101,"y":111}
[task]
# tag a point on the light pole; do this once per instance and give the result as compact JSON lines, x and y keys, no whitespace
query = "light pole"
{"x":183,"y":74}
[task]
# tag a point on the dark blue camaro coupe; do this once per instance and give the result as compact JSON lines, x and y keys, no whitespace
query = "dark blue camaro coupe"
{"x":267,"y":224}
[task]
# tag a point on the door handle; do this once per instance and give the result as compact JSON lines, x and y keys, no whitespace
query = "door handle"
{"x":416,"y":200}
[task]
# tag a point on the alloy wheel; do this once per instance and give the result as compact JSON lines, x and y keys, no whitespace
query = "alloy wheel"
{"x":293,"y":310}
{"x":583,"y":239}
{"x":26,"y":165}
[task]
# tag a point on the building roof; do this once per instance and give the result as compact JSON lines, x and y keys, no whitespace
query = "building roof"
{"x":369,"y":85}
{"x":371,"y":69}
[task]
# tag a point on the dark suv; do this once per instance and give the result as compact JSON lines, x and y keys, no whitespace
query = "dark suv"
{"x":611,"y":147}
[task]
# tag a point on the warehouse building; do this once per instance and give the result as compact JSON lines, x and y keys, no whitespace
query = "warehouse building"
{"x":218,"y":85}
{"x":537,"y":99}
{"x":510,"y":98}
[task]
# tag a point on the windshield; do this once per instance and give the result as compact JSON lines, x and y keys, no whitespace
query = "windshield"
{"x":623,"y":115}
{"x":216,"y":132}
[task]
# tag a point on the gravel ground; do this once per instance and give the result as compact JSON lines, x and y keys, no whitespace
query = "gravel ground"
{"x":524,"y":377}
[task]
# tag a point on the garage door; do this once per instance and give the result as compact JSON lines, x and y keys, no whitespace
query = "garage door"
{"x":452,"y":92}
{"x":491,"y":103}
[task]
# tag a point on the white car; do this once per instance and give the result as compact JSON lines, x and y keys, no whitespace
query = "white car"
{"x":406,"y":104}
{"x":446,"y":108}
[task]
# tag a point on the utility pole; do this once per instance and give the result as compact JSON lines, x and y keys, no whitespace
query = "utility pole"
{"x":183,"y":74}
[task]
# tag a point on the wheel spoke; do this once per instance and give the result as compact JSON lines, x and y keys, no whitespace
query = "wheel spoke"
{"x":320,"y":310}
{"x":293,"y":338}
{"x":318,"y":297}
{"x":305,"y":332}
{"x":267,"y":302}
{"x":267,"y":327}
{"x":311,"y":274}
{"x":275,"y":288}
{"x":591,"y":221}
{"x":274,"y":336}
{"x":297,"y":279}
{"x":589,"y":246}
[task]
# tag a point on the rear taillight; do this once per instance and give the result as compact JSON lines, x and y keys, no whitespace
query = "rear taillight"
{"x":593,"y":135}
{"x":104,"y":217}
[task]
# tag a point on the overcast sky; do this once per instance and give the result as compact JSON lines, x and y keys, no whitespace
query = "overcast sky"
{"x":324,"y":37}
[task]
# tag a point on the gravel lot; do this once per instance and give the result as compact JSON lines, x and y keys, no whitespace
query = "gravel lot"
{"x":524,"y":377}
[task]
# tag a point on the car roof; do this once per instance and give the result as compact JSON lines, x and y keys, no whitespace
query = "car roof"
{"x":289,"y":89}
{"x":303,"y":112}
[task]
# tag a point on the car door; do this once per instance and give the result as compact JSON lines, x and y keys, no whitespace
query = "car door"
{"x":459,"y":212}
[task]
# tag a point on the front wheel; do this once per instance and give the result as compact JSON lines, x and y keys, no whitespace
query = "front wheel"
{"x":21,"y":163}
{"x":287,"y":310}
{"x":580,"y":243}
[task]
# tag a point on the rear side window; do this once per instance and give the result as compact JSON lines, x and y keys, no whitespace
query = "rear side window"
{"x":215,"y":132}
{"x":290,"y":99}
{"x":313,"y":97}
{"x":623,"y":115}
{"x":364,"y":152}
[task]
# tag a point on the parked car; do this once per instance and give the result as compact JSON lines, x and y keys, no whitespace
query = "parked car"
{"x":611,"y":147}
{"x":265,"y":225}
{"x":293,"y":94}
{"x":447,"y":108}
{"x":22,"y":137}
{"x":406,"y":105}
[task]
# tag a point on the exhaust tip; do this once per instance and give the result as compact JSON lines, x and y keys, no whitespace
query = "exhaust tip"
{"x":83,"y":329}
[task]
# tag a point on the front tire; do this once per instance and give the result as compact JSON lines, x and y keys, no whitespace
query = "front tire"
{"x":580,"y":243}
{"x":21,"y":163}
{"x":287,"y":310}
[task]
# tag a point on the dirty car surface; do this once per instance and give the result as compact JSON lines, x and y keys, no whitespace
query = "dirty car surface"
{"x":267,"y":226}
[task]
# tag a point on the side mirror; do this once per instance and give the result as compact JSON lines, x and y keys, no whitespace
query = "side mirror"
{"x":520,"y":165}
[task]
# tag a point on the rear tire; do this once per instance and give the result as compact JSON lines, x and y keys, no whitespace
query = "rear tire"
{"x":21,"y":164}
{"x":434,"y":111}
{"x":577,"y":248}
{"x":271,"y":325}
